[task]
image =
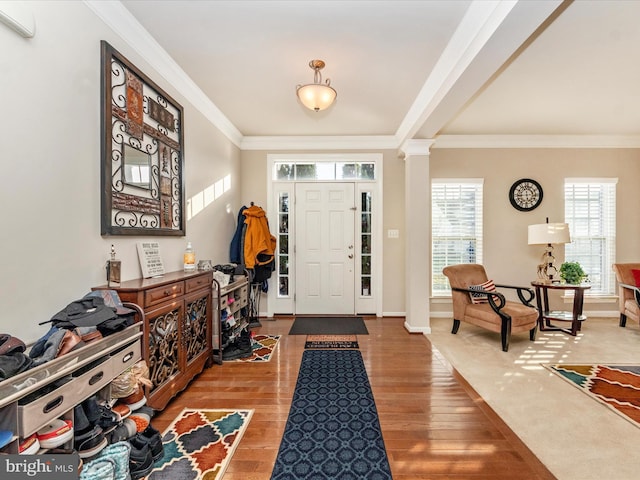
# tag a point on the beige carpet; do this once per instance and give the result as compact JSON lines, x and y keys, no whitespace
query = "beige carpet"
{"x":573,"y":435}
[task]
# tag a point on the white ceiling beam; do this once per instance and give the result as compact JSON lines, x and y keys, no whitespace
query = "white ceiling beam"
{"x":488,"y":35}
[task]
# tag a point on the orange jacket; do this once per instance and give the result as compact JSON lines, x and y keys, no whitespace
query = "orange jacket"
{"x":257,"y":238}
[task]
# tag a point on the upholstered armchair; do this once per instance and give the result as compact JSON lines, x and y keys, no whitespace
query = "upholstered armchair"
{"x":489,"y":308}
{"x":628,"y":293}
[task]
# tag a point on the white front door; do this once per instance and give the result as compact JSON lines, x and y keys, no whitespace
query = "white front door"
{"x":325,"y":251}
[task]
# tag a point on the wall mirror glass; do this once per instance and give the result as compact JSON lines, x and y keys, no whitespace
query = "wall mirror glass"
{"x":136,"y":168}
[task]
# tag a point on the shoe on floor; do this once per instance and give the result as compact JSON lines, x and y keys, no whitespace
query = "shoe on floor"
{"x":124,"y":431}
{"x":233,"y":352}
{"x":55,"y":433}
{"x":122,"y":410}
{"x":141,"y":420}
{"x":146,"y":409}
{"x":100,"y":414}
{"x":152,"y":438}
{"x":29,"y":446}
{"x":90,"y":443}
{"x":136,"y":400}
{"x":140,"y":461}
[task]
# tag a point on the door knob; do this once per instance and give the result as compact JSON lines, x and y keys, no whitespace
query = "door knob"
{"x":351,"y":255}
{"x":350,"y":247}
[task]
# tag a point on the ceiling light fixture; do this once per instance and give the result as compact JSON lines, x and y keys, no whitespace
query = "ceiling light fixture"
{"x":316,"y":96}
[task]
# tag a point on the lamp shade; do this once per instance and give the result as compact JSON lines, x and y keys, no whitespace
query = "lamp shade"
{"x":549,"y":233}
{"x":316,"y":96}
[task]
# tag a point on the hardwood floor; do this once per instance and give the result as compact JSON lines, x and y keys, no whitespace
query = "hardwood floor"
{"x":434,"y":424}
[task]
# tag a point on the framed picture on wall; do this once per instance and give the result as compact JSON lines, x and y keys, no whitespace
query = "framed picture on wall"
{"x":142,"y":158}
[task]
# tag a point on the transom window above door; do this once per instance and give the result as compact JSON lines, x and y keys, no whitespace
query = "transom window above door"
{"x":323,"y":171}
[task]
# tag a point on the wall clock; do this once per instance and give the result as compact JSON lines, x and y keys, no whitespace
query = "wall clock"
{"x":525,"y":194}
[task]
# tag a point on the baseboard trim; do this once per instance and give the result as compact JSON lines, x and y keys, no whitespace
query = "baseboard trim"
{"x":423,"y":330}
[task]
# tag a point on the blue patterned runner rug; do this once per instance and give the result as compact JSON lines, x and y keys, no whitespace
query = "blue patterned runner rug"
{"x":332,"y":431}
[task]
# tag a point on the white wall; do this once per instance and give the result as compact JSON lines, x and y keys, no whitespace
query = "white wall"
{"x":51,"y":251}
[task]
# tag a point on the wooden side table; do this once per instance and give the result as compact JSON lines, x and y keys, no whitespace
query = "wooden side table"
{"x":546,"y":316}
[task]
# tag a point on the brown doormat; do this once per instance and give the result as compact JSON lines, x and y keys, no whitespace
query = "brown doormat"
{"x":331,"y":341}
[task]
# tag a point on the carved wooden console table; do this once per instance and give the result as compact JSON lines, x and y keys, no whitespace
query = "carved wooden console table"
{"x":177,"y":331}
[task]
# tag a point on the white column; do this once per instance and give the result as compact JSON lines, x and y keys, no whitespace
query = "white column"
{"x":417,"y":185}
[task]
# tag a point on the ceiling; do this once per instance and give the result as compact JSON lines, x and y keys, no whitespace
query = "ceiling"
{"x":408,"y":69}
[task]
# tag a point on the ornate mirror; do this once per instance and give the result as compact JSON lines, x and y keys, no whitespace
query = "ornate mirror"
{"x":142,"y":153}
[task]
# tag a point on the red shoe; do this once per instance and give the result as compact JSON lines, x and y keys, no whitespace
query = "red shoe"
{"x":55,"y":433}
{"x":29,"y":446}
{"x":135,"y":400}
{"x":121,"y":409}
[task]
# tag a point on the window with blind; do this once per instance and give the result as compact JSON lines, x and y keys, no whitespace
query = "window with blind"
{"x":456,"y":227}
{"x":590,"y":211}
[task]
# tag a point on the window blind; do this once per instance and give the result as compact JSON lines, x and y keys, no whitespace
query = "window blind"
{"x":590,"y":211}
{"x":456,"y":227}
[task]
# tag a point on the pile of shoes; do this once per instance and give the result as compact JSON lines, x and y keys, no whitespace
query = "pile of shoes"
{"x":113,"y":437}
{"x":240,"y":347}
{"x":119,"y":443}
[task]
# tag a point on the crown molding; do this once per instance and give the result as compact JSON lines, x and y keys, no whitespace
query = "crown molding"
{"x":537,"y":141}
{"x":381,"y":142}
{"x":18,"y":17}
{"x":424,"y":146}
{"x":120,"y":20}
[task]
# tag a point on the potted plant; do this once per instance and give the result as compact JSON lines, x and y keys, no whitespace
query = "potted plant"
{"x":572,"y":273}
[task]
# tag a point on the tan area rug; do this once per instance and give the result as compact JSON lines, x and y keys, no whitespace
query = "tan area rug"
{"x":570,"y":433}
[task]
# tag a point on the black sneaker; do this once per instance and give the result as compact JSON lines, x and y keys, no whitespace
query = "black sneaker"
{"x":234,"y":352}
{"x":152,"y":438}
{"x":140,"y":461}
{"x":244,"y":342}
{"x":100,"y":414}
{"x":90,"y":443}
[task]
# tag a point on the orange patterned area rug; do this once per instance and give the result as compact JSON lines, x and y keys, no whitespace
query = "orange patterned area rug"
{"x":616,"y":386}
{"x":331,"y":341}
{"x":199,"y":444}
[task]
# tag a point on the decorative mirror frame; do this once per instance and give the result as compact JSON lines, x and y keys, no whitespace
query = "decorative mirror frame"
{"x":136,"y":113}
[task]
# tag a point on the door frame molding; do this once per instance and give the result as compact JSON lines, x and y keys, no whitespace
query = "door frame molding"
{"x":373,"y":304}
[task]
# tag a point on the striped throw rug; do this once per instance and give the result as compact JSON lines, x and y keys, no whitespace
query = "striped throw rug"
{"x":616,"y":386}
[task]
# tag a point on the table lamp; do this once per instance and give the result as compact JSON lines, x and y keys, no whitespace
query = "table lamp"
{"x":548,"y":234}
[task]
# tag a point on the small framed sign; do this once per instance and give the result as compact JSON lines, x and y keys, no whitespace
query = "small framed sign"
{"x":150,"y":260}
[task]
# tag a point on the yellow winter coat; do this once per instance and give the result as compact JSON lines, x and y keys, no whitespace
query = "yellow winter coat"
{"x":259,"y":244}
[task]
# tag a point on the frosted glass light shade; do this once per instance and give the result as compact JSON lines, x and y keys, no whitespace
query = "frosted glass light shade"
{"x":316,"y":96}
{"x":549,"y":233}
